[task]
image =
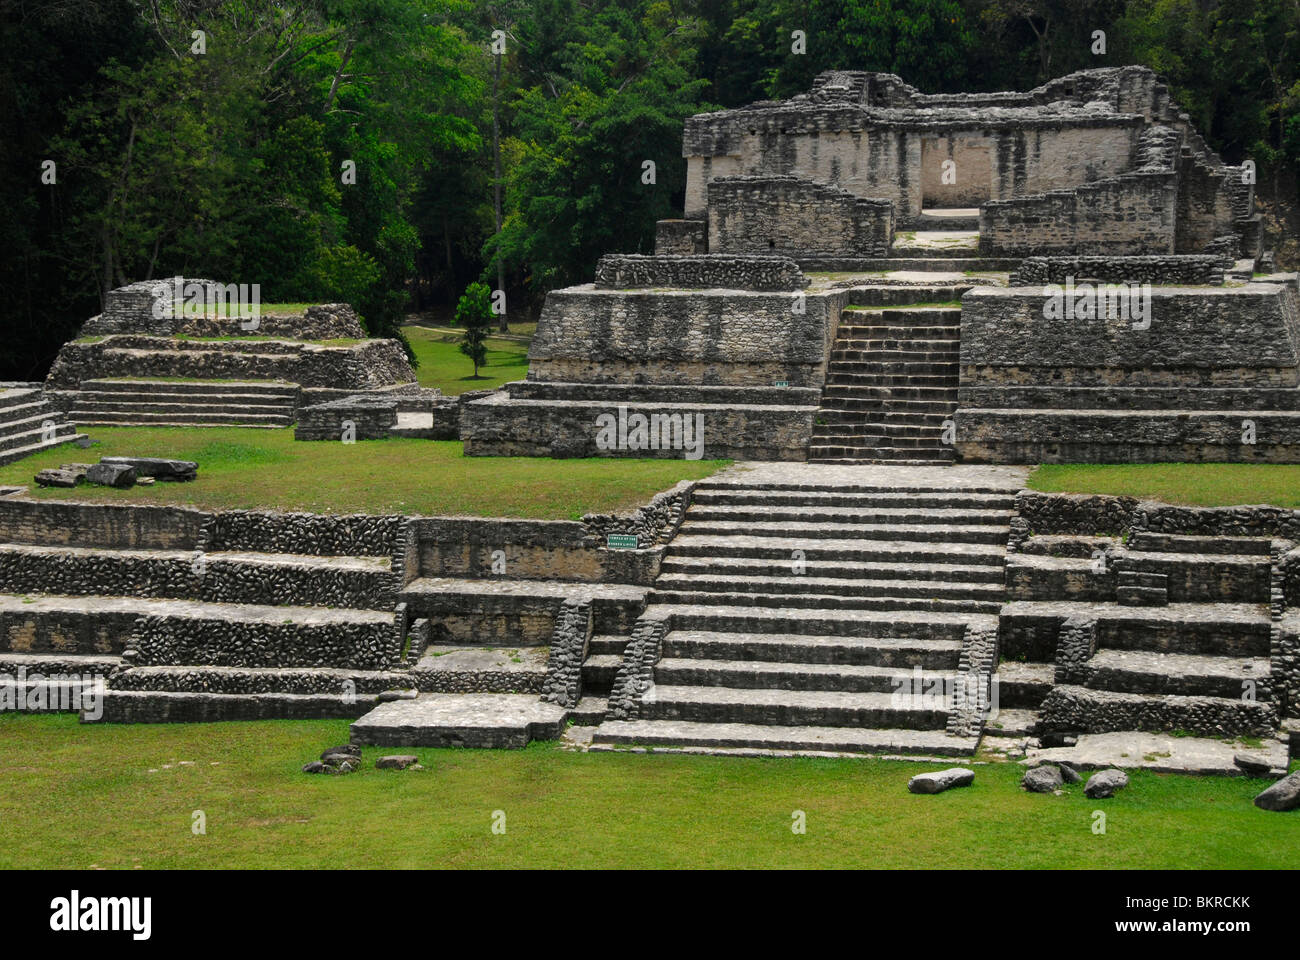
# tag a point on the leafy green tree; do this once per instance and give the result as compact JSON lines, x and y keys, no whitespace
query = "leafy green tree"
{"x":474,"y":311}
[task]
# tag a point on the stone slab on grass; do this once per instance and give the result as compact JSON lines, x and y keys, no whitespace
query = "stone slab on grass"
{"x":1160,"y":753}
{"x":941,"y":780}
{"x":461,"y":720}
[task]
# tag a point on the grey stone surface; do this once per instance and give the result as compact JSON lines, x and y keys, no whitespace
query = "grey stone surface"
{"x":397,"y":761}
{"x":119,"y":475}
{"x":942,"y":780}
{"x":1281,"y":796}
{"x":1044,"y":779}
{"x":1105,"y":784}
{"x":461,"y":720}
{"x":157,"y":467}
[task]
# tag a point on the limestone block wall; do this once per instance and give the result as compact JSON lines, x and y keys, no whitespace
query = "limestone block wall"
{"x":1175,"y":269}
{"x":796,"y":217}
{"x":368,"y":364}
{"x":371,"y":418}
{"x":1130,"y":214}
{"x":716,"y":270}
{"x":1221,"y":336}
{"x":899,"y":156}
{"x":681,"y":238}
{"x":590,"y":335}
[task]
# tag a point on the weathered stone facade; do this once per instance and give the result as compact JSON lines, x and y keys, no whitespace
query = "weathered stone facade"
{"x":788,"y":215}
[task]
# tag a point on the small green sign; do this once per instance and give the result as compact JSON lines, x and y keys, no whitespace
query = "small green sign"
{"x":781,"y":383}
{"x":622,"y":541}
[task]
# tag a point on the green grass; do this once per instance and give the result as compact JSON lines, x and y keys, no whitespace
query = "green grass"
{"x":82,"y":796}
{"x":252,"y":468}
{"x":442,"y":365}
{"x":1195,"y":484}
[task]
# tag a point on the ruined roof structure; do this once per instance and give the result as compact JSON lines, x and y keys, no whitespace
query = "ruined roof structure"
{"x":1114,"y":132}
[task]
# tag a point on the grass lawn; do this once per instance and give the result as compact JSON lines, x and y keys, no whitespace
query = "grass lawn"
{"x":442,"y":365}
{"x":1196,"y":484}
{"x":83,"y":796}
{"x":252,"y":468}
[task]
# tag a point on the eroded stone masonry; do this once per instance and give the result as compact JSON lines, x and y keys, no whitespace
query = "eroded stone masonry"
{"x":880,"y":301}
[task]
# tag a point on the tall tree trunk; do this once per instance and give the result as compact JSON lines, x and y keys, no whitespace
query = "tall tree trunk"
{"x":496,"y":185}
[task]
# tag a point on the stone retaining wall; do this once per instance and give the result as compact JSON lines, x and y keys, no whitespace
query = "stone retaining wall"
{"x":1182,"y":269}
{"x":370,"y":418}
{"x":728,"y":270}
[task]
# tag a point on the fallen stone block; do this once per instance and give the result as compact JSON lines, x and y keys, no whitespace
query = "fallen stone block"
{"x":1068,"y":773}
{"x":160,"y":468}
{"x":1281,"y":796}
{"x":314,"y":767}
{"x":941,"y":781}
{"x":1253,"y":764}
{"x":398,"y":761}
{"x":57,"y":478}
{"x":111,"y":475}
{"x":1044,"y":779}
{"x":1105,"y":784}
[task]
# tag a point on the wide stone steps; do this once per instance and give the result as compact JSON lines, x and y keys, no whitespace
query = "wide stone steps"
{"x":839,"y":569}
{"x":783,"y":549}
{"x":766,"y":674}
{"x":888,"y":295}
{"x":748,"y":617}
{"x":767,"y":738}
{"x":960,"y":500}
{"x":196,"y":403}
{"x":1179,"y":674}
{"x":922,"y":516}
{"x":901,"y":456}
{"x":893,"y":395}
{"x":928,"y":533}
{"x":895,"y":652}
{"x":266,"y":390}
{"x":729,"y":583}
{"x":779,"y":707}
{"x":874,"y":433}
{"x":832,"y":418}
{"x":821,"y":602}
{"x":866,"y":359}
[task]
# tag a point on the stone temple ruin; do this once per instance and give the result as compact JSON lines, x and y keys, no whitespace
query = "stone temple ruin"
{"x":882,"y":301}
{"x":870,"y":274}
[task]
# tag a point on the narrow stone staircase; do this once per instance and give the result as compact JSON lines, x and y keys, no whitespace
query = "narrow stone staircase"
{"x":890,"y":387}
{"x":816,"y":617}
{"x":29,"y":424}
{"x":194,"y":403}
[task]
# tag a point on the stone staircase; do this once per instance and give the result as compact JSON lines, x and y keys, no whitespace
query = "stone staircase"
{"x":29,"y":423}
{"x":890,"y":386}
{"x":197,"y":403}
{"x":810,"y":616}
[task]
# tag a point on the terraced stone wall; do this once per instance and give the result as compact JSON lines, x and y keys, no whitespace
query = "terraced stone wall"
{"x":591,"y":335}
{"x":369,"y":364}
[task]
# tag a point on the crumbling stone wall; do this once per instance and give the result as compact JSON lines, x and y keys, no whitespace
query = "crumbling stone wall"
{"x":371,"y":418}
{"x":1178,"y":269}
{"x":717,"y":270}
{"x":681,"y":238}
{"x":789,"y":215}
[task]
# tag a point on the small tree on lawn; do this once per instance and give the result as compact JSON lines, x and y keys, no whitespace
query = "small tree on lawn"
{"x":474,"y":311}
